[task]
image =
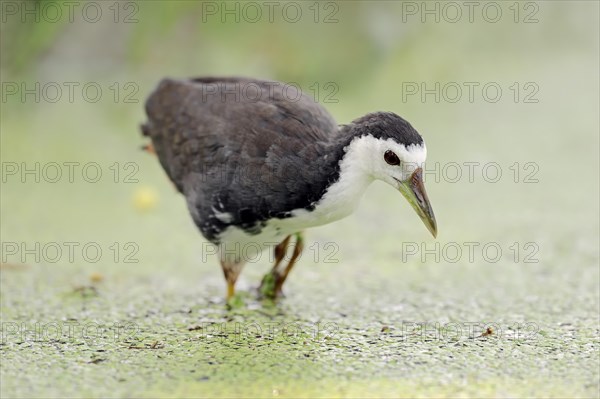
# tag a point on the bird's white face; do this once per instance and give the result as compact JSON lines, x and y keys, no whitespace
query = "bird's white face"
{"x":395,"y":162}
{"x":387,"y":160}
{"x":399,"y":166}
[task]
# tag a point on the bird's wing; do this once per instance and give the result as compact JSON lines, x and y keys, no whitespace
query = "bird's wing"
{"x":242,"y":149}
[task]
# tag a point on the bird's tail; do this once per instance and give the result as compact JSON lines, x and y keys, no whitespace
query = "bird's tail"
{"x":149,"y":148}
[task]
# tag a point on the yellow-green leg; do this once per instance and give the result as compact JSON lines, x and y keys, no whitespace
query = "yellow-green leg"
{"x":231,"y":271}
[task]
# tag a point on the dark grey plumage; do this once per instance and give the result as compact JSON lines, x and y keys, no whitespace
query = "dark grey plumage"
{"x":251,"y":150}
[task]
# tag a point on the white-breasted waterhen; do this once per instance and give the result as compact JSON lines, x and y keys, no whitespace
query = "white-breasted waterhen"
{"x":259,"y":162}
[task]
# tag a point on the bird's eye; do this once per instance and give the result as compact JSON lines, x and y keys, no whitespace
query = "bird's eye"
{"x":391,"y":158}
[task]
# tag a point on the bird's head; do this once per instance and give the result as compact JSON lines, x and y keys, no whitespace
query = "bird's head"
{"x":386,"y":147}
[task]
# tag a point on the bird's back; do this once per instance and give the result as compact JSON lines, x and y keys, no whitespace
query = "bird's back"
{"x":240,"y":150}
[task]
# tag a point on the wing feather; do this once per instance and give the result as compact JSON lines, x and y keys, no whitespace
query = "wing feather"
{"x":244,"y":147}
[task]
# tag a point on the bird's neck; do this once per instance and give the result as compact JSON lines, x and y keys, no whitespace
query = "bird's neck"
{"x":348,"y":165}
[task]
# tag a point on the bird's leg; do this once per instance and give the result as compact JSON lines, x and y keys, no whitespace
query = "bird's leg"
{"x":280,"y":251}
{"x":273,"y":282}
{"x":267,"y":285}
{"x":298,"y":247}
{"x":230,"y":289}
{"x":231,"y":271}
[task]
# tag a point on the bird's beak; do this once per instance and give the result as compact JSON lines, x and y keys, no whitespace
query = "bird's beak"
{"x":413,"y":190}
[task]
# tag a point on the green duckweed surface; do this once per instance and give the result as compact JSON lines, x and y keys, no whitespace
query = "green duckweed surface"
{"x":504,"y":303}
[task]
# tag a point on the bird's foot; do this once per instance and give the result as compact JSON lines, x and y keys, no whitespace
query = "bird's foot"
{"x":235,"y":301}
{"x":270,"y":286}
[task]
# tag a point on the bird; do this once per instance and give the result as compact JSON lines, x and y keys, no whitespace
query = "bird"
{"x":259,"y":162}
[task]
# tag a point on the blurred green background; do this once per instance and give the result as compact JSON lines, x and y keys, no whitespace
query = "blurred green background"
{"x":353,"y":57}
